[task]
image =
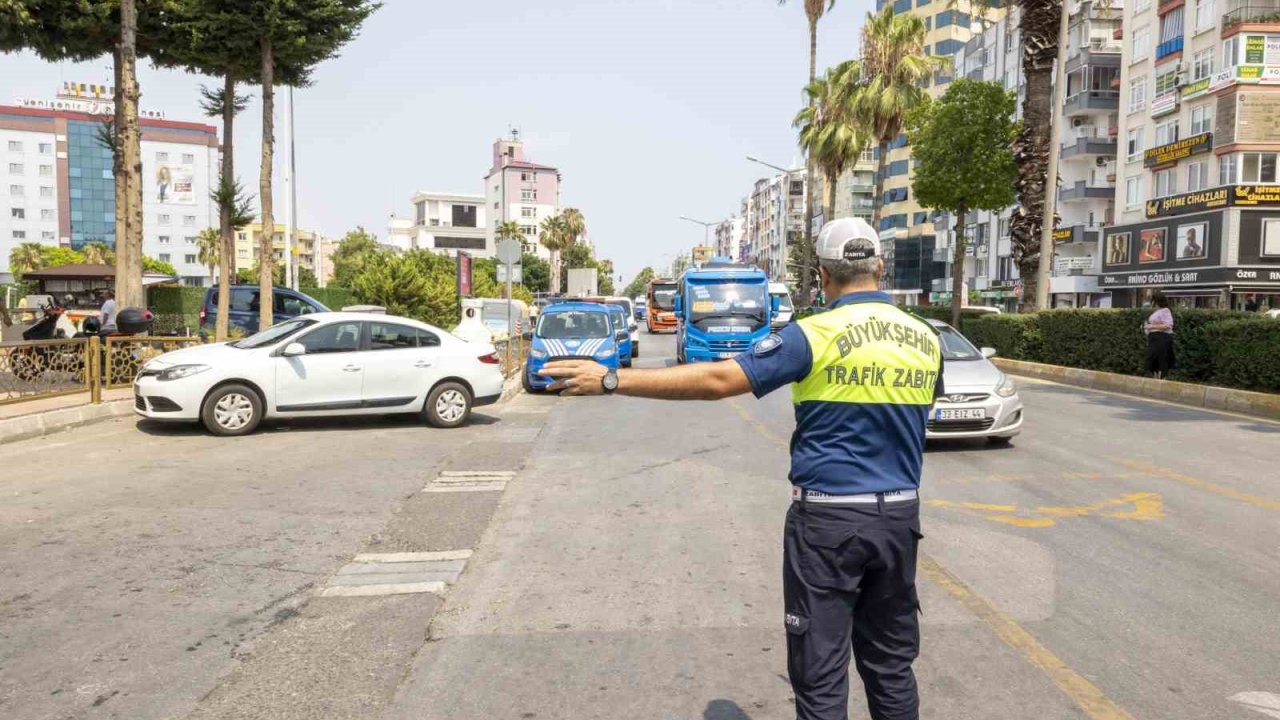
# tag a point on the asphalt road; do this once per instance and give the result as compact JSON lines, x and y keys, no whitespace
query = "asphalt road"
{"x":1119,"y":560}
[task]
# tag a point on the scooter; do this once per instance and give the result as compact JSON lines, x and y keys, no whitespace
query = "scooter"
{"x":30,"y":362}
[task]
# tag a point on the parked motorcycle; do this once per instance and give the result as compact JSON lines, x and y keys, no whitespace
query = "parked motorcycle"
{"x":30,"y":362}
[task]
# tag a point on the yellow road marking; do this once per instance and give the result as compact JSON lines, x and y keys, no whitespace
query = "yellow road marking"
{"x":1146,"y":506}
{"x":1161,"y":472}
{"x":1083,"y":693}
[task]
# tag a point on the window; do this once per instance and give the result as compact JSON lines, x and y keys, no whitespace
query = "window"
{"x":460,"y":243}
{"x":1202,"y":64}
{"x":952,"y":17}
{"x":1227,"y":170}
{"x":163,"y":219}
{"x":19,"y":234}
{"x":17,"y":213}
{"x":528,"y":212}
{"x":188,"y":221}
{"x":1166,"y":132}
{"x":15,"y":146}
{"x":529,"y":229}
{"x":1133,"y":146}
{"x":897,"y":167}
{"x":1166,"y":80}
{"x":387,"y":336}
{"x":948,"y":47}
{"x":1231,"y":53}
{"x":16,"y":169}
{"x":1138,"y":94}
{"x":1166,"y":182}
{"x":291,"y":305}
{"x":163,"y":239}
{"x":188,"y":158}
{"x":162,"y":157}
{"x":528,"y":195}
{"x":46,"y":170}
{"x":1133,"y":193}
{"x":1197,"y":176}
{"x":1270,"y":238}
{"x":47,"y":214}
{"x":164,"y":257}
{"x":17,"y":190}
{"x":1140,"y":5}
{"x":1171,"y":28}
{"x":1258,"y":168}
{"x":1201,"y":119}
{"x":46,"y":191}
{"x":335,"y":338}
{"x":242,"y":252}
{"x":464,"y":216}
{"x":46,"y":148}
{"x":189,"y":259}
{"x":1141,"y":45}
{"x":1206,"y":15}
{"x":191,"y":239}
{"x":47,"y":235}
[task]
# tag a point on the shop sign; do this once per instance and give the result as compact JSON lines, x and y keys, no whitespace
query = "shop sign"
{"x":1190,"y":277}
{"x":1173,"y":152}
{"x":1257,"y":117}
{"x":1062,"y":234}
{"x":1255,"y":48}
{"x":1222,"y":79}
{"x":1189,"y":202}
{"x":1256,"y":195}
{"x":1194,"y":89}
{"x":1164,"y":104}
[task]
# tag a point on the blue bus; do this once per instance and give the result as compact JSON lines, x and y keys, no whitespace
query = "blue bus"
{"x":722,"y":309}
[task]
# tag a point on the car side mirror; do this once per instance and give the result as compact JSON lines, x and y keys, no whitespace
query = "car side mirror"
{"x":678,"y":305}
{"x":621,"y":335}
{"x":989,"y":352}
{"x":775,"y":304}
{"x":294,"y":349}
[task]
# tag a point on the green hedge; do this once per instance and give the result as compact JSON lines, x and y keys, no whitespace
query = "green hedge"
{"x":1232,"y":349}
{"x":177,"y":309}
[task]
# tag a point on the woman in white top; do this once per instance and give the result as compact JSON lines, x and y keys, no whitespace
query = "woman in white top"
{"x":1159,"y":330}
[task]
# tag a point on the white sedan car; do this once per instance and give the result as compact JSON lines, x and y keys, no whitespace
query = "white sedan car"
{"x":980,"y":400}
{"x":318,"y":365}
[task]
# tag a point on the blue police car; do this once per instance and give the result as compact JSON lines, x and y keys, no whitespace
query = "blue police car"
{"x":626,"y":348}
{"x":572,"y":331}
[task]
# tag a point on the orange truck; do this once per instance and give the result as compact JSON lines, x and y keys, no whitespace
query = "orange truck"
{"x":661,"y":314}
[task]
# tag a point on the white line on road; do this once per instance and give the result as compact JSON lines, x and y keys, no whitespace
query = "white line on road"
{"x":412,"y":556}
{"x":1262,"y":702}
{"x":374,"y":590}
{"x":508,"y":474}
{"x":450,"y":488}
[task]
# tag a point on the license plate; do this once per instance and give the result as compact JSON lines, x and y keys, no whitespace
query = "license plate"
{"x":726,"y":355}
{"x":961,"y":414}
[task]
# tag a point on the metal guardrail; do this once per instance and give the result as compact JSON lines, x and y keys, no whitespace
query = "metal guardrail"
{"x":35,"y":369}
{"x":123,"y":356}
{"x":511,"y":353}
{"x":1259,"y":13}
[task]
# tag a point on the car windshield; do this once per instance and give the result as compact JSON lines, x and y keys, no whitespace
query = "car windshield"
{"x":625,"y":303}
{"x":784,"y":301}
{"x":955,"y":346}
{"x":726,"y":299}
{"x":664,"y":297}
{"x":573,"y":324}
{"x":619,"y":318}
{"x":273,"y":334}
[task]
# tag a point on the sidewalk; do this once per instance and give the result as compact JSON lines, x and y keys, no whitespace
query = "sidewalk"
{"x":35,"y":418}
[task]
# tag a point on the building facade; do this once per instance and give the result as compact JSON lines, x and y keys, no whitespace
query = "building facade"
{"x":444,"y":223}
{"x":773,"y":217}
{"x":306,"y":247}
{"x":57,"y":185}
{"x":520,"y":190}
{"x":1198,"y":194}
{"x":730,"y":238}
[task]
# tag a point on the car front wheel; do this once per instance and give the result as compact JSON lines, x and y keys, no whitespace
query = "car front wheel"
{"x":231,"y":410}
{"x":448,"y":405}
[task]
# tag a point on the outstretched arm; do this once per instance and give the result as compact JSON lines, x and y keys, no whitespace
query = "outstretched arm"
{"x":704,"y":381}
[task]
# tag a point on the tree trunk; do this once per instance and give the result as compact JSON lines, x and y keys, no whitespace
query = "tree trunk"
{"x":829,"y":207}
{"x":806,"y":266}
{"x":957,"y":266}
{"x":266,"y":241}
{"x":121,"y":178}
{"x":1039,"y":27}
{"x":129,"y":248}
{"x":227,"y":256}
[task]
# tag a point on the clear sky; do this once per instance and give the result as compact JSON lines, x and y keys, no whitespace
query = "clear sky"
{"x":647,"y":107}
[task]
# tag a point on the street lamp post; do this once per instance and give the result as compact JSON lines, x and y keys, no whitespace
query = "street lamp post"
{"x":706,"y":228}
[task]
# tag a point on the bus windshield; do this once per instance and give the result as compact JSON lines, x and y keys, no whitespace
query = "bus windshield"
{"x":664,"y":296}
{"x":727,"y":300}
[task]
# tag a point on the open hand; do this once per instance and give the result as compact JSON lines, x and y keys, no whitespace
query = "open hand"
{"x":575,"y":377}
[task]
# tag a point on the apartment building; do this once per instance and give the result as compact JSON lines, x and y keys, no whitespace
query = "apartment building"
{"x":444,"y":223}
{"x":774,"y":221}
{"x":519,"y":189}
{"x":1198,"y":191}
{"x":730,"y":235}
{"x":855,"y":191}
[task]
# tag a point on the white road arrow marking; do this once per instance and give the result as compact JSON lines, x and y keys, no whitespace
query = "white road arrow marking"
{"x":1263,"y":702}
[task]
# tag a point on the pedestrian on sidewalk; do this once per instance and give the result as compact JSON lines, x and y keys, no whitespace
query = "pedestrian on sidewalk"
{"x":1159,"y":330}
{"x":863,"y":377}
{"x":107,"y":314}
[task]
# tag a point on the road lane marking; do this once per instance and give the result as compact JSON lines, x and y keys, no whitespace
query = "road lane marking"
{"x":1083,"y":693}
{"x":1162,"y":472}
{"x":378,"y":590}
{"x":1146,"y":506}
{"x":450,"y":481}
{"x":1263,"y":702}
{"x":412,"y":556}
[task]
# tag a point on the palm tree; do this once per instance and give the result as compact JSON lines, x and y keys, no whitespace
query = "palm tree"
{"x":209,"y":242}
{"x":813,"y":12}
{"x":98,"y":253}
{"x":830,"y":131}
{"x":574,"y":224}
{"x":555,"y":237}
{"x":510,"y":230}
{"x":25,"y":258}
{"x":895,"y":70}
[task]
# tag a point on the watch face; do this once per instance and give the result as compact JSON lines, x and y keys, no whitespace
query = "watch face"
{"x":610,"y":381}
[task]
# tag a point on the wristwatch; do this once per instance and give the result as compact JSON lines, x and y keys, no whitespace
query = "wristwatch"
{"x":609,"y":382}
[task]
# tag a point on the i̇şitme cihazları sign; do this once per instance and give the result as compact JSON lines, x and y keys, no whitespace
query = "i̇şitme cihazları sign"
{"x":1248,"y":196}
{"x":1173,"y":152}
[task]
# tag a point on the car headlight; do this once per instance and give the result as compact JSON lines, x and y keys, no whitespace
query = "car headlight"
{"x":177,"y":372}
{"x":536,"y":353}
{"x":606,"y":353}
{"x":1006,"y":388}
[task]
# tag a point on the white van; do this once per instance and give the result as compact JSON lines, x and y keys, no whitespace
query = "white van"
{"x":786,"y":311}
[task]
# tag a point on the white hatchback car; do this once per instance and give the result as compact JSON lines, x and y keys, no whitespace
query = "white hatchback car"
{"x":318,"y":365}
{"x":980,"y":400}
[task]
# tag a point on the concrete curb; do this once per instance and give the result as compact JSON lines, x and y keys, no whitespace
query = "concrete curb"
{"x":1245,"y":402}
{"x":25,"y":427}
{"x":511,"y":386}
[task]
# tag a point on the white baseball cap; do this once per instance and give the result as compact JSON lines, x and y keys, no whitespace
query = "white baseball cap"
{"x":836,"y":240}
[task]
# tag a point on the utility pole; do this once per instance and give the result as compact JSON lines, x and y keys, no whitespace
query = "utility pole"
{"x":290,"y":199}
{"x":1045,"y":271}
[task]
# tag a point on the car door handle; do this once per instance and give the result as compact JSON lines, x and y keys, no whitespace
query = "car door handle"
{"x":351,"y":368}
{"x":422,"y":364}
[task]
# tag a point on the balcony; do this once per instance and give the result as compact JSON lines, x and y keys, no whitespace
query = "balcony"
{"x":1092,"y":101}
{"x":1083,"y":191}
{"x":1093,"y":141}
{"x":1168,"y":47}
{"x":1261,"y":13}
{"x":1097,"y":52}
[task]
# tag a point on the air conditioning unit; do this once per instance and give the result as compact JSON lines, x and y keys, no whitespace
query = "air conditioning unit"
{"x":1101,"y":161}
{"x":1180,"y":79}
{"x":1079,"y":122}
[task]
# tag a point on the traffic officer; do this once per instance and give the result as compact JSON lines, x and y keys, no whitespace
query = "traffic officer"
{"x":863,"y":377}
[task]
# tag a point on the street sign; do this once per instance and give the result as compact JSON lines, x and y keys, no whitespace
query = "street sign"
{"x":516,"y":275}
{"x":508,"y":251}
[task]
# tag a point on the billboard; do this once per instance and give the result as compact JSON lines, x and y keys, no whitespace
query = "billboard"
{"x":176,"y":184}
